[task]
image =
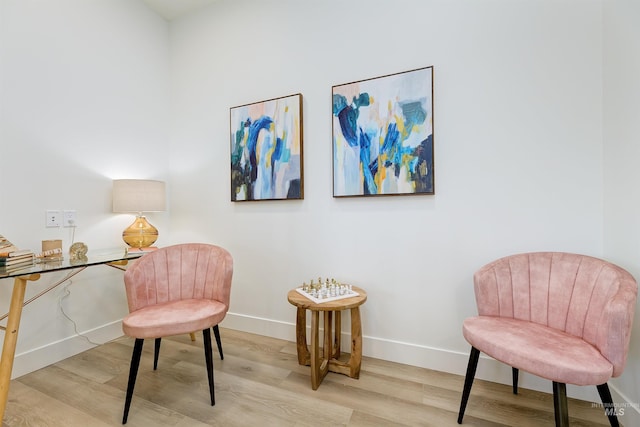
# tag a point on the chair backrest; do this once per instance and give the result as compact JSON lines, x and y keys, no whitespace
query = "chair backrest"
{"x":185,"y":271}
{"x":584,"y":296}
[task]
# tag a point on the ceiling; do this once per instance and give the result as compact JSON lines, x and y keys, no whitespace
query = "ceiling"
{"x":173,"y":9}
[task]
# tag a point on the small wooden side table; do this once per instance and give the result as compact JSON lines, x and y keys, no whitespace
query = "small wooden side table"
{"x":332,"y":328}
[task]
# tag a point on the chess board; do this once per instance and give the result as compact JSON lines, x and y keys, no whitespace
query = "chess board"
{"x":350,"y":293}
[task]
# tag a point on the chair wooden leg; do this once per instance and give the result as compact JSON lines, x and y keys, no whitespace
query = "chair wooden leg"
{"x":208,"y":355}
{"x":514,"y":375}
{"x":192,"y":335}
{"x":468,"y":381}
{"x":156,"y":353}
{"x":133,"y":373}
{"x":607,"y":402}
{"x":560,"y":407}
{"x":216,"y":332}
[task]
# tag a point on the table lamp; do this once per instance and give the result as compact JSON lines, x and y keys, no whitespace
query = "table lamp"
{"x":138,"y":196}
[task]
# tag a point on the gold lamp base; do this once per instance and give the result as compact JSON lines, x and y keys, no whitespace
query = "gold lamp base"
{"x":140,"y":234}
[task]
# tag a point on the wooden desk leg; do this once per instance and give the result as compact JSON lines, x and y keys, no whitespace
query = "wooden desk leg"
{"x":11,"y":337}
{"x":304,"y":358}
{"x":355,"y":361}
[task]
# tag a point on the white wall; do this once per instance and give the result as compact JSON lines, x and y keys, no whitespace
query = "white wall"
{"x":83,"y":88}
{"x":518,"y":152}
{"x":621,"y":61}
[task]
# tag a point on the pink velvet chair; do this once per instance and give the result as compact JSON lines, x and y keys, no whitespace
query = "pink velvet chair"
{"x":560,"y":316}
{"x":176,"y":290}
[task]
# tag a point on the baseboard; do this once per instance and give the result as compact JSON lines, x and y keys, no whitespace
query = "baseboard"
{"x":396,"y":351}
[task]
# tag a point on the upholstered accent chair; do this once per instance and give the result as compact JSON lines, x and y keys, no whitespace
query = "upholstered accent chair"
{"x":176,"y":290}
{"x":560,"y":316}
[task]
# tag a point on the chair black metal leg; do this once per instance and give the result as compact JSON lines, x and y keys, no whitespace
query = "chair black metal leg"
{"x":468,"y":381}
{"x":133,"y":373}
{"x":607,"y":402}
{"x":514,"y":375}
{"x":560,"y":407}
{"x":208,"y":355}
{"x":156,"y":353}
{"x":216,"y":332}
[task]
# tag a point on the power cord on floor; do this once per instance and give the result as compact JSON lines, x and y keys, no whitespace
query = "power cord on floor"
{"x":67,"y":292}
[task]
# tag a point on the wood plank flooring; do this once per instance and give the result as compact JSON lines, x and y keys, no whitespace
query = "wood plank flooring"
{"x":259,"y":383}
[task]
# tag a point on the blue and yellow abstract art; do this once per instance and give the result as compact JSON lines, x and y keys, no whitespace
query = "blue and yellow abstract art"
{"x":383,"y":135}
{"x":266,"y":150}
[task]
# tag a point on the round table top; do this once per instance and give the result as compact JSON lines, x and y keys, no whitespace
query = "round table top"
{"x":299,"y":300}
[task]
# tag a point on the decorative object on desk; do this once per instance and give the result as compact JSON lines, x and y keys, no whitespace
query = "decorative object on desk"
{"x":6,"y":246}
{"x":383,"y":135}
{"x":78,"y":252}
{"x":11,"y":257}
{"x":16,"y":261}
{"x":266,"y":150}
{"x":18,"y":253}
{"x":51,"y":250}
{"x":138,"y":196}
{"x":49,"y":256}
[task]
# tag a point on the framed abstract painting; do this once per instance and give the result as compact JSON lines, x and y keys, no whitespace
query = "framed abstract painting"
{"x":383,"y":135}
{"x":266,"y":150}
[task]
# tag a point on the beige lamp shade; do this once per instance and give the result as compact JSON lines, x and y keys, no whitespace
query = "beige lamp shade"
{"x":139,"y":195}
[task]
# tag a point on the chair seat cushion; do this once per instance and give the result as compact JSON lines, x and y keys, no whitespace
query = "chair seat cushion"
{"x":546,"y":352}
{"x":173,"y":318}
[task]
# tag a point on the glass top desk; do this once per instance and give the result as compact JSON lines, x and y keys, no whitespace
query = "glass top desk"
{"x":20,"y":276}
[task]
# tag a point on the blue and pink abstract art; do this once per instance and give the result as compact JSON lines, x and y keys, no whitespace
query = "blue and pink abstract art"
{"x":266,"y":150}
{"x":383,"y":135}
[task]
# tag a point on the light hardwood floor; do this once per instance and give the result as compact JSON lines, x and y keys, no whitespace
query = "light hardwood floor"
{"x":259,"y":383}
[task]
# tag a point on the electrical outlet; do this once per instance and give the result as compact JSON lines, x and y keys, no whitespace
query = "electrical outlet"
{"x":53,"y":218}
{"x":69,"y":218}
